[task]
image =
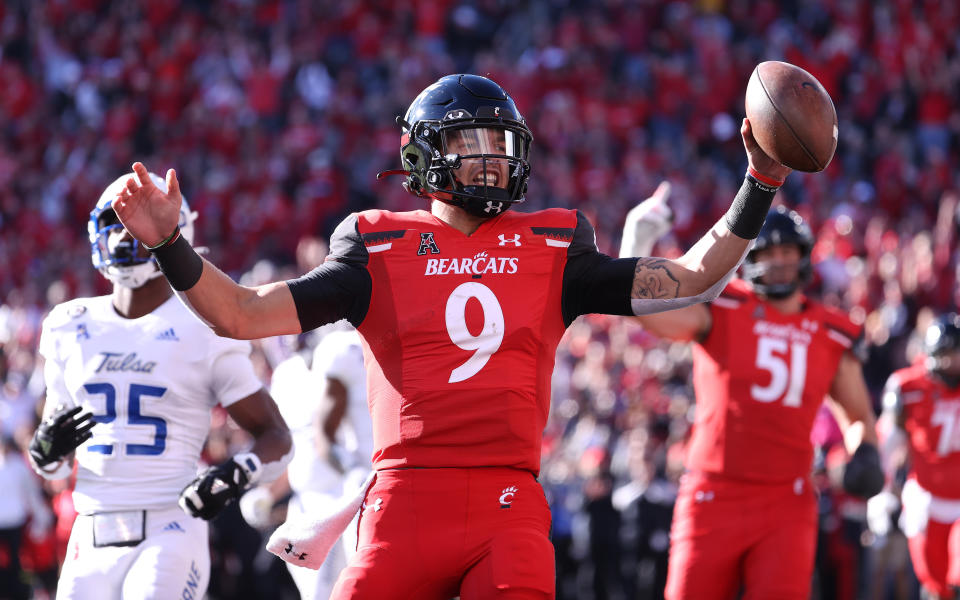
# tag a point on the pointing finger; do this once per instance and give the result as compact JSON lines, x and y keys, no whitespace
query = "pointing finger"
{"x":663,"y":191}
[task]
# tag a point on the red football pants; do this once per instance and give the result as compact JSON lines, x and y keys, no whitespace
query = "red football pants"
{"x":936,"y":556}
{"x":437,"y":533}
{"x":731,"y":534}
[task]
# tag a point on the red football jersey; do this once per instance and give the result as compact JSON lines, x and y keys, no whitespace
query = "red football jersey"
{"x":931,"y":412}
{"x":460,"y":332}
{"x":760,"y":377}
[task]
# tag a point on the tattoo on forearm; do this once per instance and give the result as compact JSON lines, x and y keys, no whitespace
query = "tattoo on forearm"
{"x":653,"y":280}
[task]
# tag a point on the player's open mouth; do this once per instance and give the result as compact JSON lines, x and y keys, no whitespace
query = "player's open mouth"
{"x":490,"y":177}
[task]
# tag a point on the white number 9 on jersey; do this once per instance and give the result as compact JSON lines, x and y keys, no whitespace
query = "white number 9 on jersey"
{"x":491,"y":335}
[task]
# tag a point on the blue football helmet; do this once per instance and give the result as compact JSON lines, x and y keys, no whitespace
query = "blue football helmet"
{"x":118,"y":259}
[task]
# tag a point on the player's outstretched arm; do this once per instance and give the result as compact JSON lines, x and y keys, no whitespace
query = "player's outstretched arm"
{"x":863,"y":475}
{"x":699,"y":275}
{"x":151,"y":215}
{"x":848,"y":392}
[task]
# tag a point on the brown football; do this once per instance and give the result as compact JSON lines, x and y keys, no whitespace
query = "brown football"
{"x":792,"y":116}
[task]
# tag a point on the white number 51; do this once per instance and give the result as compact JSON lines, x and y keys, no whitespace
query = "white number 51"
{"x":780,"y":376}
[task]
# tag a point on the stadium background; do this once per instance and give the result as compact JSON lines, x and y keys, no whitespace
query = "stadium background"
{"x":278,"y":114}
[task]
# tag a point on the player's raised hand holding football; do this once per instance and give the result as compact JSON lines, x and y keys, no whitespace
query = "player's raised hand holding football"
{"x":758,"y":160}
{"x":150,"y":214}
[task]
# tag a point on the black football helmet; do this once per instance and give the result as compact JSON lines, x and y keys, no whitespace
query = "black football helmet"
{"x":465,"y":143}
{"x":941,"y":339}
{"x":782,"y":227}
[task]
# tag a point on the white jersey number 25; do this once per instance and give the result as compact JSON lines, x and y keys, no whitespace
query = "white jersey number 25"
{"x":130,"y":410}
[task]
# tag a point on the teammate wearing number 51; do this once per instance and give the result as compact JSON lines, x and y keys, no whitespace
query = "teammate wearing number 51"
{"x":765,"y":358}
{"x":144,"y":372}
{"x":460,"y":310}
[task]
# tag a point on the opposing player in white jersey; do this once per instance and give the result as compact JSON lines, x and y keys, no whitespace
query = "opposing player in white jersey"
{"x":144,"y":372}
{"x":333,"y":441}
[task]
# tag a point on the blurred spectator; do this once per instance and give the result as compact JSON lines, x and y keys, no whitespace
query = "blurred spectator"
{"x":23,"y":511}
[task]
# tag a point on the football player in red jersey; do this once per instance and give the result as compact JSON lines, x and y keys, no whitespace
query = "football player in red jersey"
{"x":765,"y":358}
{"x":923,"y":401}
{"x":460,"y":308}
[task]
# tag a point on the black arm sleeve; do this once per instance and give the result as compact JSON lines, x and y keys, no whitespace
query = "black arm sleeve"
{"x":594,"y":282}
{"x":340,"y":288}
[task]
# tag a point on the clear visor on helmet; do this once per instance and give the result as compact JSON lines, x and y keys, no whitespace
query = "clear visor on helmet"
{"x":476,"y":141}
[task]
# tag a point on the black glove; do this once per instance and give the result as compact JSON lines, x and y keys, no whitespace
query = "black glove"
{"x":60,"y":434}
{"x":215,"y":488}
{"x":863,"y":475}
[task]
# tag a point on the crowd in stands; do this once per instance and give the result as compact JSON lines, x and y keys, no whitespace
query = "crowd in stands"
{"x":277,"y":115}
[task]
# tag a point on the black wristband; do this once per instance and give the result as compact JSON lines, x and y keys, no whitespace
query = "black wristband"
{"x":749,"y":210}
{"x":180,"y":263}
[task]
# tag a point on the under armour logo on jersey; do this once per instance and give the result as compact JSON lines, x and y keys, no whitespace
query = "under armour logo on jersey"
{"x":168,"y":335}
{"x":427,"y":243}
{"x":515,"y":240}
{"x":289,"y":550}
{"x":82,"y":333}
{"x":506,"y":497}
{"x":376,"y":506}
{"x":493,"y":209}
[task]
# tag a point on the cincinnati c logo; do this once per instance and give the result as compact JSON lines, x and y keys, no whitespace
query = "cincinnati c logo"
{"x":506,"y":497}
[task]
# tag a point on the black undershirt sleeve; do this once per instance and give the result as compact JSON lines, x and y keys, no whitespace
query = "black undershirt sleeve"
{"x":340,"y":288}
{"x":594,"y":282}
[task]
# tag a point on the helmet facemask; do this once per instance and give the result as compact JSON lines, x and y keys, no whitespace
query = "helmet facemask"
{"x":782,"y":227}
{"x":767,"y":275}
{"x":486,"y":168}
{"x":119,"y":257}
